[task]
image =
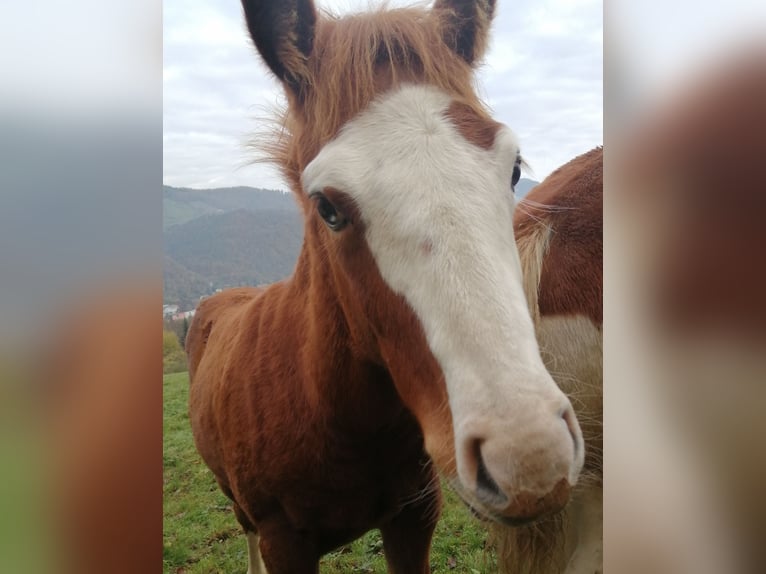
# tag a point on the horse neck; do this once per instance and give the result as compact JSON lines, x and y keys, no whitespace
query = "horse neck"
{"x":339,"y":368}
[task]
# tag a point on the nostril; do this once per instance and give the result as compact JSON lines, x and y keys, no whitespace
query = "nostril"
{"x":487,"y":489}
{"x":571,"y":421}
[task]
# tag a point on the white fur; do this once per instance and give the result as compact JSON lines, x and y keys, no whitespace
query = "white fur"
{"x":418,"y":182}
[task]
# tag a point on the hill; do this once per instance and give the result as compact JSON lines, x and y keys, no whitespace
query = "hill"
{"x":180,"y":204}
{"x":182,"y":286}
{"x":227,"y":249}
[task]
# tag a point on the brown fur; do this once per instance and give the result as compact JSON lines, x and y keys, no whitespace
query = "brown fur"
{"x":570,"y":282}
{"x":475,"y":128}
{"x":558,"y":228}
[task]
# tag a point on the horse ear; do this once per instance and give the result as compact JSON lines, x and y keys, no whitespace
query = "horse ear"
{"x":465,"y":26}
{"x":283,"y":33}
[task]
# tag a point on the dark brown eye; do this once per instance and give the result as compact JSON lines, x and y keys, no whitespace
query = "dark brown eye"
{"x":327,"y":211}
{"x":516,"y":174}
{"x":516,"y":171}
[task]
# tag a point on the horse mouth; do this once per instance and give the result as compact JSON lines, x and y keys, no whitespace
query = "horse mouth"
{"x":479,"y":513}
{"x":493,"y":517}
{"x":485,"y":515}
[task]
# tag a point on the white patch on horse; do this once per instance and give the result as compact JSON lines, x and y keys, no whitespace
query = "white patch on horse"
{"x":417,"y":180}
{"x":255,"y":560}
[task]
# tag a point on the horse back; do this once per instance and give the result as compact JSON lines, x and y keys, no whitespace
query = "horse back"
{"x":559,"y":231}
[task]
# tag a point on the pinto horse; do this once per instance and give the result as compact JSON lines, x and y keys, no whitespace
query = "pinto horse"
{"x":559,"y":228}
{"x":402,"y":347}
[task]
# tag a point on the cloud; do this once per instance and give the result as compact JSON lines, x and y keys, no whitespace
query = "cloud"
{"x":542,"y":77}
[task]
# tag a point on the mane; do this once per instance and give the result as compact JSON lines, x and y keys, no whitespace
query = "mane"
{"x":354,"y":60}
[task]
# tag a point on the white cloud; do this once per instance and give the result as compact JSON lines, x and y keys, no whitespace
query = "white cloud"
{"x":543,"y":77}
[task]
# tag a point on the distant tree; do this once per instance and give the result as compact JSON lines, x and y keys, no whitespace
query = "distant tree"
{"x":173,"y":356}
{"x":170,"y":343}
{"x":176,"y":327}
{"x":184,"y":331}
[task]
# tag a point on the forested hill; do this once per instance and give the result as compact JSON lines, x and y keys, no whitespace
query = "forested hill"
{"x":218,"y":238}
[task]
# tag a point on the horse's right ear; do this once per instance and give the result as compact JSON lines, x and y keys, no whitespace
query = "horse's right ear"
{"x":283,"y":32}
{"x":466,"y":26}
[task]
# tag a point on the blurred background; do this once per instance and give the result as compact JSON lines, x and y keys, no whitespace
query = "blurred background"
{"x":685,"y":274}
{"x":81,"y":284}
{"x":81,"y":262}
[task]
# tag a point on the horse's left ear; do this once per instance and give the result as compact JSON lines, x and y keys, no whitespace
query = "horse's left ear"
{"x":465,"y":26}
{"x":283,"y":33}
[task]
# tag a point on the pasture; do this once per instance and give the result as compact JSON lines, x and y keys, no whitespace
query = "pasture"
{"x":201,"y":535}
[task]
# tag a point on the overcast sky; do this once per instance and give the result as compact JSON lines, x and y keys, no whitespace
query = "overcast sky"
{"x":542,"y":77}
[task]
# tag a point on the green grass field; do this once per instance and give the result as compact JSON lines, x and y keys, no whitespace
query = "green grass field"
{"x":201,"y":535}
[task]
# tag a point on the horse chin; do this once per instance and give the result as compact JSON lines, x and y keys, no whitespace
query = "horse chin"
{"x":482,"y":513}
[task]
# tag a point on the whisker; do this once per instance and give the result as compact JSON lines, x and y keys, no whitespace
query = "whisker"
{"x":546,"y":207}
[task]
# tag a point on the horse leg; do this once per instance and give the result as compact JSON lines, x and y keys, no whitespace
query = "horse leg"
{"x":586,"y":515}
{"x":255,"y":563}
{"x":276,"y":543}
{"x":407,"y":537}
{"x":285,"y":550}
{"x":255,"y":560}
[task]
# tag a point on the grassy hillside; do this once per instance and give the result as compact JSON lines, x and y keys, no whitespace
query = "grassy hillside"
{"x":201,"y":535}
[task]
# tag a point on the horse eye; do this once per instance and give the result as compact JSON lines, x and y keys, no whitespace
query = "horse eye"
{"x":516,"y":175}
{"x":327,"y":211}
